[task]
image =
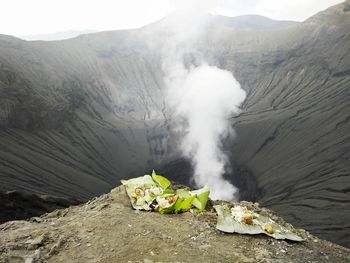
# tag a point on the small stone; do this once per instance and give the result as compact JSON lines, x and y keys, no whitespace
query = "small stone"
{"x":88,"y":244}
{"x":29,"y":260}
{"x":36,"y":219}
{"x":55,"y":247}
{"x":103,"y":206}
{"x":165,"y":237}
{"x":37,"y":242}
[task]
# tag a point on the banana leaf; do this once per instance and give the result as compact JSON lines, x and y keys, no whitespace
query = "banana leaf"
{"x":156,"y":193}
{"x":231,"y":221}
{"x":202,"y":196}
{"x":161,"y":180}
{"x":185,"y":205}
{"x":145,"y":199}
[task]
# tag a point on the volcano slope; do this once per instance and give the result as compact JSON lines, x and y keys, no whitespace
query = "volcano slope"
{"x":78,"y":115}
{"x":294,"y":132}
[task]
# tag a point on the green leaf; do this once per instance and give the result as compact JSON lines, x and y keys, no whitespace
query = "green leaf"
{"x":166,"y":205}
{"x":202,"y":196}
{"x":167,"y":210}
{"x":144,"y":190}
{"x":186,"y":204}
{"x":161,"y":180}
{"x":168,"y":192}
{"x":183,"y":193}
{"x":225,"y":222}
{"x":143,"y":182}
{"x":178,"y":203}
{"x":229,"y":221}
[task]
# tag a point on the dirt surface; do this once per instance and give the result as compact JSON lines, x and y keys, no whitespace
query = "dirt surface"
{"x":107,"y":229}
{"x":78,"y":115}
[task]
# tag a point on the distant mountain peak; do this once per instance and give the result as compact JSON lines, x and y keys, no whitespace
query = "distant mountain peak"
{"x":58,"y":35}
{"x":251,"y":21}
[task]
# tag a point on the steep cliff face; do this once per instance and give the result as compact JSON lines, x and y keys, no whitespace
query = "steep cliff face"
{"x":78,"y":115}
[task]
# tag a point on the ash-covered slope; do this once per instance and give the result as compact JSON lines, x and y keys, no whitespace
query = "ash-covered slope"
{"x":107,"y":229}
{"x":294,"y":133}
{"x":17,"y":205}
{"x":78,"y":115}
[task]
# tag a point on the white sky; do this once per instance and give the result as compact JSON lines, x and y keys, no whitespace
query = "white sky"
{"x":31,"y":17}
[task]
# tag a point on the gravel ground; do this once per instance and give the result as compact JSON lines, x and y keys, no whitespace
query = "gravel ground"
{"x":107,"y":229}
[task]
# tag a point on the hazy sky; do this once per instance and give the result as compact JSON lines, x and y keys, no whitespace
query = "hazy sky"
{"x":30,"y":17}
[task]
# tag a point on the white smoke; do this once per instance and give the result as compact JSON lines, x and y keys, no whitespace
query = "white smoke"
{"x":209,"y":97}
{"x":203,"y":96}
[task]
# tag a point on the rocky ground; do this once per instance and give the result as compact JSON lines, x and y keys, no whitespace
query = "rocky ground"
{"x":107,"y":229}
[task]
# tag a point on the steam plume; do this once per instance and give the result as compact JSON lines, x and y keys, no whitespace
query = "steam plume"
{"x":204,"y":97}
{"x":210,"y":97}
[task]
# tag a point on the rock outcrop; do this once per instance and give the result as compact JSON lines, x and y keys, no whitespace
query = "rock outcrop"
{"x":107,"y":229}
